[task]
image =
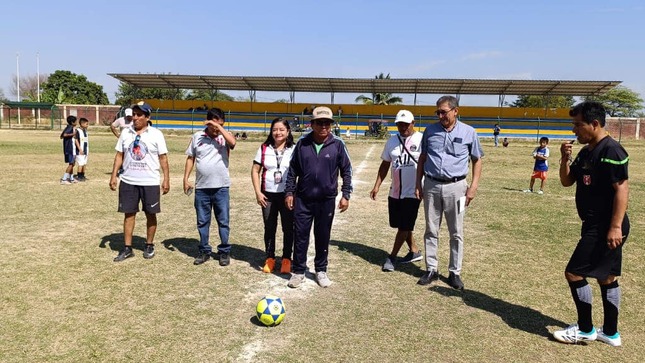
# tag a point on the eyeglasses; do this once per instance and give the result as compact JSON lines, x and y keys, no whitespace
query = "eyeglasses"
{"x":322,"y":122}
{"x":443,"y":112}
{"x":136,"y":141}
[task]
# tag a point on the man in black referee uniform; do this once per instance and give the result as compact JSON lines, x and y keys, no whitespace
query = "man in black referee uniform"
{"x":600,"y":174}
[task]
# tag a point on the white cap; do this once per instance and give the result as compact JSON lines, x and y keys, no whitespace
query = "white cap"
{"x":128,"y":112}
{"x":404,"y":116}
{"x":322,"y":113}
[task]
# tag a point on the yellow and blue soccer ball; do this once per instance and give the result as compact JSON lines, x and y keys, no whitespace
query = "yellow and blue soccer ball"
{"x":270,"y":310}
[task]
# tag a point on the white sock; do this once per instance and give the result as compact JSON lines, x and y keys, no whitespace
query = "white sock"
{"x":66,"y":176}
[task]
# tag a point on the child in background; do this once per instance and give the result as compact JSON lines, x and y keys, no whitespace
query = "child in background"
{"x":496,"y":131}
{"x":541,"y":167}
{"x":68,"y":150}
{"x":505,"y":142}
{"x":81,"y":141}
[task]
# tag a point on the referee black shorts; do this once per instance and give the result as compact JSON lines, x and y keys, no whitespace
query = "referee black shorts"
{"x":131,"y":195}
{"x":403,"y":212}
{"x":592,"y":257}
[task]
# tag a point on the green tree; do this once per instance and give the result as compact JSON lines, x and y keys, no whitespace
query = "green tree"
{"x":129,"y":94}
{"x":208,"y":95}
{"x":67,"y":87}
{"x":620,"y":102}
{"x":379,"y":98}
{"x":543,"y":101}
{"x":2,"y":96}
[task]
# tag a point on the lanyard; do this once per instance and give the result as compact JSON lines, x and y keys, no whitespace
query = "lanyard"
{"x":278,"y":157}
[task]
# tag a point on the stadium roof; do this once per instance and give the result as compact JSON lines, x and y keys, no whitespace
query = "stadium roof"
{"x":370,"y":85}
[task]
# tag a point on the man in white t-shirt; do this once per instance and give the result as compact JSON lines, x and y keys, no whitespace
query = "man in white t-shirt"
{"x":122,"y":122}
{"x":401,"y":154}
{"x":208,"y":152}
{"x":141,"y":151}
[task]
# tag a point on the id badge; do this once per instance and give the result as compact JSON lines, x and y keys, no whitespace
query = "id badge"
{"x":277,"y":177}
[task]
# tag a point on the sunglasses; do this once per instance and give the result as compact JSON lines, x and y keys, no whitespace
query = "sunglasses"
{"x":443,"y":112}
{"x":136,"y":141}
{"x":322,"y":122}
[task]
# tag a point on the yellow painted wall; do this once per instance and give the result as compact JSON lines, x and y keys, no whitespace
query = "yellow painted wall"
{"x":352,"y":109}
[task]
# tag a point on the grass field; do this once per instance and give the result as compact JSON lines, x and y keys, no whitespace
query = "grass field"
{"x":62,"y":299}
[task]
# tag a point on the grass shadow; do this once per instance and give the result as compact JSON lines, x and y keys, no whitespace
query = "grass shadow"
{"x":515,"y":316}
{"x":190,"y":247}
{"x":116,"y":242}
{"x":187,"y":246}
{"x":376,"y":256}
{"x":253,"y":256}
{"x":513,"y":189}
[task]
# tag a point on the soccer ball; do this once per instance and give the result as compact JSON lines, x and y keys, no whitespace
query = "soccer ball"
{"x":270,"y":310}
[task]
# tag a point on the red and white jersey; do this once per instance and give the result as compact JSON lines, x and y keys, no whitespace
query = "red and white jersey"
{"x":274,"y":167}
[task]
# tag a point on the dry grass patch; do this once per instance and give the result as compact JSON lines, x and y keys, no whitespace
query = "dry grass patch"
{"x":63,"y":299}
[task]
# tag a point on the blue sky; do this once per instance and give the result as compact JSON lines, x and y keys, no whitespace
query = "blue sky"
{"x":557,"y":39}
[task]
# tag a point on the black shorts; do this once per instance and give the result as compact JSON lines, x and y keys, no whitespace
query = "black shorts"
{"x":130,"y":195}
{"x":70,"y":158}
{"x":403,"y":212}
{"x":592,"y":257}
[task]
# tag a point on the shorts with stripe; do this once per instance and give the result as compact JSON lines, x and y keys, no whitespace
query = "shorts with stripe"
{"x":131,"y":195}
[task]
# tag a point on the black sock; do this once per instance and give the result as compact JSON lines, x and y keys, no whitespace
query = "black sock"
{"x":582,"y":297}
{"x":611,"y":305}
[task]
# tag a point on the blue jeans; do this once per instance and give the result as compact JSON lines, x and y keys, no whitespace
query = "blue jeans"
{"x":217,"y":200}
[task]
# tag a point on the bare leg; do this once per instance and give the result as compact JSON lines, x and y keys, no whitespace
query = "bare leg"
{"x":151,"y":227}
{"x":401,"y":237}
{"x":128,"y":228}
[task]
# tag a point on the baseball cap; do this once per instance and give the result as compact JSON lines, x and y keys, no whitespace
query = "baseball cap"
{"x":322,"y":113}
{"x":127,"y":112}
{"x":404,"y":116}
{"x":143,"y":107}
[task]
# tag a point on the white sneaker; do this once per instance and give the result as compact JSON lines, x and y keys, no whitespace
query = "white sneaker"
{"x":540,"y":192}
{"x":613,"y":340}
{"x":527,"y":191}
{"x":296,"y":280}
{"x":573,"y":335}
{"x":388,"y":266}
{"x":322,"y":279}
{"x":65,"y":182}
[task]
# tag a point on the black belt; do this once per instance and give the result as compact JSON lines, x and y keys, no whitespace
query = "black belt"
{"x":446,"y":181}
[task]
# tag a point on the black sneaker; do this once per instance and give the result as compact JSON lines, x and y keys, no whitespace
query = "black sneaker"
{"x":411,"y":257}
{"x":455,"y":281}
{"x":428,"y":277}
{"x":203,"y":257}
{"x":149,"y":251}
{"x":126,"y":252}
{"x":224,"y":259}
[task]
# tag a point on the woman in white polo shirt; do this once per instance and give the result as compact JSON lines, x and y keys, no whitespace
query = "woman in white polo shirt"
{"x":269,"y":174}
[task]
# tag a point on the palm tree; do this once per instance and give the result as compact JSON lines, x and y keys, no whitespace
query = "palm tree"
{"x":380,"y":98}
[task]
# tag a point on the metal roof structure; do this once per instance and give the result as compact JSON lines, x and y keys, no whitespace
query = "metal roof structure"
{"x":370,"y":85}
